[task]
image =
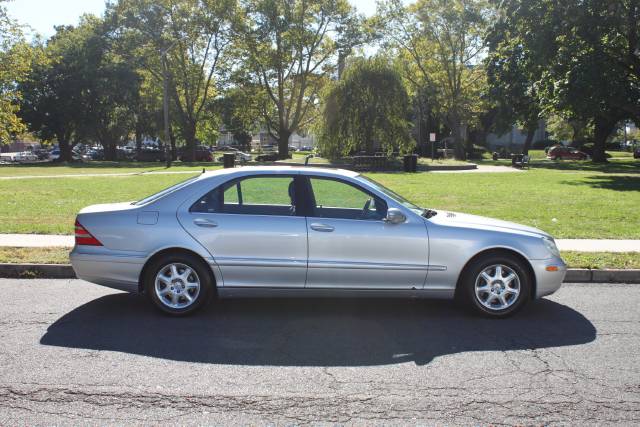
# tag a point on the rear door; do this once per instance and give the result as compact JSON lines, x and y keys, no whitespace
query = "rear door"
{"x":254,"y":231}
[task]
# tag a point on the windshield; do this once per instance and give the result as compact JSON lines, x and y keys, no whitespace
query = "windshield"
{"x":395,"y":196}
{"x":164,"y":192}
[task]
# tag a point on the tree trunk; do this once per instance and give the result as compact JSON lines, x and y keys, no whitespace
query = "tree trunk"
{"x":527,"y":142}
{"x":189,"y":135}
{"x":65,"y":150}
{"x":138,"y":140}
{"x":602,"y":129}
{"x":456,"y":128}
{"x":172,"y":140}
{"x":109,"y":151}
{"x":283,"y":143}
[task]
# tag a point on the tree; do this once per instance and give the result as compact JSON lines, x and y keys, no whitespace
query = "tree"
{"x":50,"y":103}
{"x":15,"y":60}
{"x":292,"y":46}
{"x":512,"y":73}
{"x":82,"y":90}
{"x":441,"y":43}
{"x":366,"y":110}
{"x":588,"y":56}
{"x":239,"y":111}
{"x":194,"y":37}
{"x":110,"y":87}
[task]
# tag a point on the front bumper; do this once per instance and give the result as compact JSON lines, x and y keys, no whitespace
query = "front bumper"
{"x":547,"y":282}
{"x":110,"y":268}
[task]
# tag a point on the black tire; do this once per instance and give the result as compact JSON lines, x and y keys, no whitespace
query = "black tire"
{"x":202,"y":275}
{"x":470,"y":279}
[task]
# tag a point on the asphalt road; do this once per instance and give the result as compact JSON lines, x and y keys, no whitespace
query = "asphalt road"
{"x":75,"y":353}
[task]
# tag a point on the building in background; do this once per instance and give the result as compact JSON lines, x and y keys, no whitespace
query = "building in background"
{"x":514,"y":140}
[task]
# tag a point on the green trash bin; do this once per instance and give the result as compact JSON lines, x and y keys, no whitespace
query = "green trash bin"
{"x":229,"y":160}
{"x":410,"y":163}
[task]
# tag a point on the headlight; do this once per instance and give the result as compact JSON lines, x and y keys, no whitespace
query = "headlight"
{"x":550,"y":244}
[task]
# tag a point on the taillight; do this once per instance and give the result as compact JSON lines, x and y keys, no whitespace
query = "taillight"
{"x":83,"y":237}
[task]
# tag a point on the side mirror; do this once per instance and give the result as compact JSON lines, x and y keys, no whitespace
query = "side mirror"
{"x":395,"y":216}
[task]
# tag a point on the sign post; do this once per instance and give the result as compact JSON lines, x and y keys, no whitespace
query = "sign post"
{"x":432,"y":139}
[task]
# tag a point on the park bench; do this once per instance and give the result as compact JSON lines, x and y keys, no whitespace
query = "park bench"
{"x":520,"y":161}
{"x":377,"y":162}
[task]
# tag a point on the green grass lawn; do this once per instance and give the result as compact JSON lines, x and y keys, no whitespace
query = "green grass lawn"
{"x":567,"y":205}
{"x":99,"y":167}
{"x":568,"y":202}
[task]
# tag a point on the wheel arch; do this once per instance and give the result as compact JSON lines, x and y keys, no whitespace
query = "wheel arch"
{"x":498,"y":251}
{"x":173,"y":250}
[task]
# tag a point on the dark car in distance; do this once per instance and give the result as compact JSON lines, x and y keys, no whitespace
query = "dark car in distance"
{"x":560,"y":152}
{"x":202,"y":154}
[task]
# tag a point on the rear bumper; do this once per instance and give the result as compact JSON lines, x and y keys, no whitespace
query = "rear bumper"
{"x":547,"y":282}
{"x":114,"y":270}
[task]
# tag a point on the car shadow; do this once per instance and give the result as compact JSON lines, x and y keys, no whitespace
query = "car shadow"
{"x":312,"y":332}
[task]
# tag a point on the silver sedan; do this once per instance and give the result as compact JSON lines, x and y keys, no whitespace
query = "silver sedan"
{"x":295,"y":231}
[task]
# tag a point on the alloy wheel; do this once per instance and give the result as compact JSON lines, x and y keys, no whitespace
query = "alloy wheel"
{"x":497,"y":287}
{"x":177,"y":285}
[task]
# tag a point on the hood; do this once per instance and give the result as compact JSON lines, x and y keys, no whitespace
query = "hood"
{"x":456,"y":219}
{"x":108,"y":207}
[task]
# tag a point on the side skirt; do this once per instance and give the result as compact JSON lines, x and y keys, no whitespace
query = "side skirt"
{"x":259,"y":292}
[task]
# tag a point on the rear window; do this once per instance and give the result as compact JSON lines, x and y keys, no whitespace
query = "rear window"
{"x":164,"y":192}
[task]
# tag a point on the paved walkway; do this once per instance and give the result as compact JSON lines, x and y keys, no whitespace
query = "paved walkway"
{"x":84,"y":175}
{"x":580,"y":245}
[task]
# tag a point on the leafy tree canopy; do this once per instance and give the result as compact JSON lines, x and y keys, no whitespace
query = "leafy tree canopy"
{"x":366,"y":111}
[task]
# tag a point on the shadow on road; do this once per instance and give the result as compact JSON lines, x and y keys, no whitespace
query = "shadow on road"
{"x":312,"y":332}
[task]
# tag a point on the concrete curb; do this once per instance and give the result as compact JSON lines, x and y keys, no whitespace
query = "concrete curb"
{"x":65,"y":271}
{"x":37,"y":271}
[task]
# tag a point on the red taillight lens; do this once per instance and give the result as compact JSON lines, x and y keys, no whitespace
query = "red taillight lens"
{"x":83,"y":237}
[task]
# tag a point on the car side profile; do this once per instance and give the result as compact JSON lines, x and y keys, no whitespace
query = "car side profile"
{"x":296,"y":231}
{"x":560,"y":152}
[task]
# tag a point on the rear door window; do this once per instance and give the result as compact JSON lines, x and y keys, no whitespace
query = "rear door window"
{"x":258,"y":195}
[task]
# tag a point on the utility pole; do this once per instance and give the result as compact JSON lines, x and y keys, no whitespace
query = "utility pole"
{"x":165,"y":102}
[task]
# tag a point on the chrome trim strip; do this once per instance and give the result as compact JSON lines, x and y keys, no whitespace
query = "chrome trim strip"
{"x":276,"y":262}
{"x":374,"y":266}
{"x":259,"y":262}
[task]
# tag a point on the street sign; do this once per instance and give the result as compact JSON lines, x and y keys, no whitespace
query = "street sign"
{"x":432,"y":137}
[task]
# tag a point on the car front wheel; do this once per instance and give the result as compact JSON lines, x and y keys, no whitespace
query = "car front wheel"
{"x":496,"y":285}
{"x":178,"y":284}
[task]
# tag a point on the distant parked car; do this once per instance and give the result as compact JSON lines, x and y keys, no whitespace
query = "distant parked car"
{"x":202,"y":154}
{"x":240,"y":157}
{"x":54,"y":155}
{"x":560,"y":152}
{"x":19,"y":157}
{"x":150,"y":155}
{"x":267,"y":157}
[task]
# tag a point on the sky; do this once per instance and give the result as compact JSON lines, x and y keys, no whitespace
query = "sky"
{"x":42,"y":15}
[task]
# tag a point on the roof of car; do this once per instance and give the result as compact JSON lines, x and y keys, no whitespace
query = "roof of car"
{"x":284,"y":169}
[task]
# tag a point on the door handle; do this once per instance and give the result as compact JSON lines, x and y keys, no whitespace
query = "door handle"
{"x":201,"y":222}
{"x":322,"y":227}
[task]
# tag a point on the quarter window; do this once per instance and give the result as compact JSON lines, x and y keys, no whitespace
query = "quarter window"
{"x":338,"y":199}
{"x":263,"y":195}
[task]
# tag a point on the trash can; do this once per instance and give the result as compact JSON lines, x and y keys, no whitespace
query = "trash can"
{"x":229,"y":160}
{"x":410,"y":163}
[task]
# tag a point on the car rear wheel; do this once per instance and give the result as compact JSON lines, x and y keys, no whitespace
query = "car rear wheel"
{"x":178,"y":284}
{"x":496,"y":285}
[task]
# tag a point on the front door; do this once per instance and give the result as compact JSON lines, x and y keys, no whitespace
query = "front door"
{"x":352,"y":247}
{"x":253,"y":230}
